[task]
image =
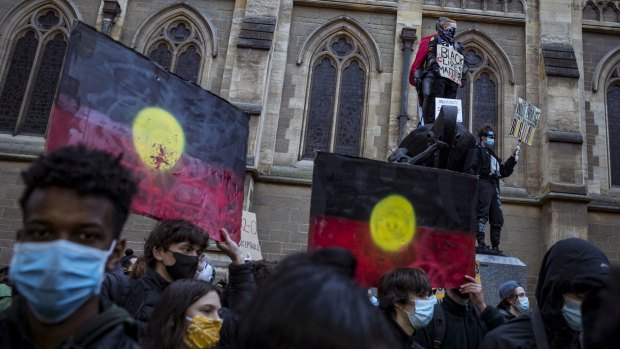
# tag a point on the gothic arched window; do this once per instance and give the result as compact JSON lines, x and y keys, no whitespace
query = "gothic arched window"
{"x":613,"y":124}
{"x":176,"y":49}
{"x":32,"y":72}
{"x":479,"y":96}
{"x":336,"y":99}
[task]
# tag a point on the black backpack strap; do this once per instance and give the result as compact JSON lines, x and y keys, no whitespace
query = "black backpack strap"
{"x":439,"y":326}
{"x":101,"y":325}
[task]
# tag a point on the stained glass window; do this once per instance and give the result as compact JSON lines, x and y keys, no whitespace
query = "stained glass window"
{"x":336,"y":100}
{"x":179,"y":33}
{"x":188,"y":64}
{"x":44,"y":88}
{"x":16,"y":82}
{"x":30,"y":80}
{"x":321,"y":108}
{"x":350,"y":110}
{"x":48,"y":20}
{"x":162,"y":55}
{"x":484,"y":102}
{"x":342,"y":47}
{"x":177,"y":49}
{"x":463,"y":95}
{"x":613,"y":123}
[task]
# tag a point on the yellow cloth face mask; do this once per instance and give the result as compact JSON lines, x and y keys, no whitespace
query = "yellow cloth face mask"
{"x":202,"y":333}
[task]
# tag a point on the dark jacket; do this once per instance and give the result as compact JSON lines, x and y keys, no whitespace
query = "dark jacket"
{"x":478,"y":162}
{"x":139,"y":297}
{"x":505,"y":312}
{"x":112,"y":328}
{"x":406,"y":341}
{"x":464,"y":328}
{"x":571,"y":265}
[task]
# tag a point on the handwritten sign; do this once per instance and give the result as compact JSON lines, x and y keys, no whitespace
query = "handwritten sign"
{"x":249,"y":236}
{"x":450,"y":63}
{"x":525,"y":121}
{"x":439,"y":102}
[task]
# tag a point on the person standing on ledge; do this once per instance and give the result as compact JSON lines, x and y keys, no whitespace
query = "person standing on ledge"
{"x":482,"y":161}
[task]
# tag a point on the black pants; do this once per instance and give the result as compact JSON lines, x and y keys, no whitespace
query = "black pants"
{"x":435,"y":87}
{"x":489,"y":209}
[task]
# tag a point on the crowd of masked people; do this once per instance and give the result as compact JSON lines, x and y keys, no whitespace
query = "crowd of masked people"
{"x":73,"y":284}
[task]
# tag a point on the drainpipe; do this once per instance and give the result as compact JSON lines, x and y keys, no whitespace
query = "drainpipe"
{"x":111,"y":10}
{"x":408,"y":37}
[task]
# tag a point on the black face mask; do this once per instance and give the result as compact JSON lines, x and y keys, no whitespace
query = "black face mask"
{"x":184,"y":268}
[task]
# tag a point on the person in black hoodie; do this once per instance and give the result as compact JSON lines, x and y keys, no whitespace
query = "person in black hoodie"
{"x":572,"y":273}
{"x":406,"y":300}
{"x":482,"y":161}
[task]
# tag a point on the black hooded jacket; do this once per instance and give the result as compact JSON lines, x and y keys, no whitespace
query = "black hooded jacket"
{"x":571,"y":265}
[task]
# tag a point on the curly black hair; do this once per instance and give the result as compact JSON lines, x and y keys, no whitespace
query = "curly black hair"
{"x":87,"y":172}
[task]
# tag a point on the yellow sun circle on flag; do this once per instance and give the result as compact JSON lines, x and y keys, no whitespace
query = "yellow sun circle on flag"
{"x":158,"y":138}
{"x":392,"y":223}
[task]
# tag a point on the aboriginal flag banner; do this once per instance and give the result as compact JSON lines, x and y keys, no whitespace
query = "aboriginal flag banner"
{"x":186,"y":146}
{"x":391,"y":215}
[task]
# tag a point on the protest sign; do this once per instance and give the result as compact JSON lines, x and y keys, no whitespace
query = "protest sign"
{"x":525,"y":121}
{"x":185,"y":146}
{"x":450,"y":63}
{"x":249,"y":243}
{"x":392,"y":215}
{"x":439,"y":102}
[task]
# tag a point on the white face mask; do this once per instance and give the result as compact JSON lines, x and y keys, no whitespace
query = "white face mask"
{"x":523,"y":304}
{"x":423,"y":313}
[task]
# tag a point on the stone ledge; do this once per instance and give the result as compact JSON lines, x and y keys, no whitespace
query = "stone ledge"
{"x":257,"y":32}
{"x":371,"y":6}
{"x":250,"y":108}
{"x":23,"y":148}
{"x":564,"y":137}
{"x":560,"y":60}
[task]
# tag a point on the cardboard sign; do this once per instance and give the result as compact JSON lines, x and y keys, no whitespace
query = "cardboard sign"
{"x":249,"y":243}
{"x":393,"y":215}
{"x":185,"y":145}
{"x":439,"y":102}
{"x":450,"y":63}
{"x":525,"y":121}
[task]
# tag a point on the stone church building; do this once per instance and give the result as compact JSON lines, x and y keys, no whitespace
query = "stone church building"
{"x":332,"y":75}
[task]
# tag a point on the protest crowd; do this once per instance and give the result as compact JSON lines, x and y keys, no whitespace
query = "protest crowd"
{"x":72,"y":284}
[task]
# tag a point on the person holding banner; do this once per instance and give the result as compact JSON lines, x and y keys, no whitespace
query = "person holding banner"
{"x":444,"y":68}
{"x":483,"y":162}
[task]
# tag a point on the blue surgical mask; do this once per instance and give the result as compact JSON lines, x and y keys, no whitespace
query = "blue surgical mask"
{"x":490,"y":142}
{"x":423,"y":313}
{"x":57,"y":277}
{"x":524,"y":304}
{"x":572,"y":313}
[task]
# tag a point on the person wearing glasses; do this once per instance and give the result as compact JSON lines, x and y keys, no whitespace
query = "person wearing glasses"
{"x":482,"y":161}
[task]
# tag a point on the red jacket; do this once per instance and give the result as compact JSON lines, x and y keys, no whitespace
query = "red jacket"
{"x":420,"y":56}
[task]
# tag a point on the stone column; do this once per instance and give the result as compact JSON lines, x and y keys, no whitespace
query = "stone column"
{"x":248,"y":62}
{"x":408,"y":37}
{"x":562,"y":126}
{"x":409,"y":15}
